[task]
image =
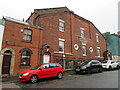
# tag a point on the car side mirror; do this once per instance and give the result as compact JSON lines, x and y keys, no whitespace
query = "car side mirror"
{"x":91,"y":64}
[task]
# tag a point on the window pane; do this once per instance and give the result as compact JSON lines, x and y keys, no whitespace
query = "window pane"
{"x":61,"y":26}
{"x":25,"y":60}
{"x":98,"y":52}
{"x":25,"y":31}
{"x":29,"y":32}
{"x":84,"y":50}
{"x":46,"y":66}
{"x":82,"y":33}
{"x":27,"y":35}
{"x":97,"y":38}
{"x":24,"y":37}
{"x":61,"y":46}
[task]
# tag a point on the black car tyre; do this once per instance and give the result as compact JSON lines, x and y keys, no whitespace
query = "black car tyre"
{"x":59,"y":75}
{"x":33,"y":79}
{"x":117,"y":67}
{"x":110,"y":68}
{"x":89,"y":71}
{"x":100,"y":70}
{"x":77,"y":72}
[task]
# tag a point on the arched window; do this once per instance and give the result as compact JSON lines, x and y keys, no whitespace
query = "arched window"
{"x":27,"y":35}
{"x":25,"y":56}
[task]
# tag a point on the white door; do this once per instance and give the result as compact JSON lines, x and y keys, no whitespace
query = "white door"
{"x":46,"y":58}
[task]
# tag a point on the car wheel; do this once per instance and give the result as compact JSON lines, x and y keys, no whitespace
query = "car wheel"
{"x":110,"y":68}
{"x":77,"y":72}
{"x":60,"y":75}
{"x":89,"y":71}
{"x":100,"y":70}
{"x":33,"y":79}
{"x":117,"y":67}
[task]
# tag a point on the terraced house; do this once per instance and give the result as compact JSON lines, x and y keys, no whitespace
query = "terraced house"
{"x":51,"y":35}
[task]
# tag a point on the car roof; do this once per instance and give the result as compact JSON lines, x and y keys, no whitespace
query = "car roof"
{"x":95,"y":60}
{"x":48,"y":63}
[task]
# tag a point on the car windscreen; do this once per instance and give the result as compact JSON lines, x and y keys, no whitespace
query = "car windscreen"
{"x":36,"y":67}
{"x":85,"y":62}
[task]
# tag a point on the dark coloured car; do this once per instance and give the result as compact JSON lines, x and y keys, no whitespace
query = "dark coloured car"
{"x":89,"y":67}
{"x":44,"y":70}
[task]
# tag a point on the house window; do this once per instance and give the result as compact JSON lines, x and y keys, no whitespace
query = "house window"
{"x":25,"y":56}
{"x":27,"y":35}
{"x":84,"y":50}
{"x":82,"y":33}
{"x":98,"y":51}
{"x":61,"y":45}
{"x":61,"y":25}
{"x":97,"y":38}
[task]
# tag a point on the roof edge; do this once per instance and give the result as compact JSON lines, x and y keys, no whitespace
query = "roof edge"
{"x":20,"y":22}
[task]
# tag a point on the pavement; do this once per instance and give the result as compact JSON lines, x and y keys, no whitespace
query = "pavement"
{"x":15,"y":78}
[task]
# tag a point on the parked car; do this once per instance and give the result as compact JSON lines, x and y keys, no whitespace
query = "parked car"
{"x":89,"y":67}
{"x":44,"y":70}
{"x":118,"y":64}
{"x":110,"y":64}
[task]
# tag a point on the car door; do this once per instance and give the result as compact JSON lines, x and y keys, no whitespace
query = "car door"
{"x":94,"y":66}
{"x":54,"y":69}
{"x":113,"y":64}
{"x":45,"y":71}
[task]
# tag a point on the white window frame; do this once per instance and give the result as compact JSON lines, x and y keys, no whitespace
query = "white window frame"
{"x":63,"y":27}
{"x":84,"y":51}
{"x":97,"y":38}
{"x":63,"y":46}
{"x":98,"y":52}
{"x":82,"y":30}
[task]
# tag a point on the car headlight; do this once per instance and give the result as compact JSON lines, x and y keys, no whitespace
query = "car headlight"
{"x":84,"y":67}
{"x":25,"y":74}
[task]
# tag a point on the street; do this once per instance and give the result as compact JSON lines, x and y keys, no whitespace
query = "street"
{"x":107,"y":79}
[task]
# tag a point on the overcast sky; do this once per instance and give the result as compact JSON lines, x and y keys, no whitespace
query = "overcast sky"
{"x":103,"y":13}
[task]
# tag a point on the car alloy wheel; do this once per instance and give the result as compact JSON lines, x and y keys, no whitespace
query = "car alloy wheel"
{"x":33,"y":79}
{"x":59,"y":75}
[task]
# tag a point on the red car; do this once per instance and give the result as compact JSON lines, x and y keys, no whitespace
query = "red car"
{"x":44,"y":70}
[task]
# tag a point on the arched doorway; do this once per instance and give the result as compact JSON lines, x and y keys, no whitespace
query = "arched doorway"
{"x":6,"y":62}
{"x":46,"y":57}
{"x":6,"y":54}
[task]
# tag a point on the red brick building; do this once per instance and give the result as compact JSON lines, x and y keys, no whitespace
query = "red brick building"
{"x":69,"y":36}
{"x":64,"y":37}
{"x":20,"y":46}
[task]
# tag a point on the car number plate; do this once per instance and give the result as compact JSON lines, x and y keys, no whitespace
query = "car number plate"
{"x":77,"y":69}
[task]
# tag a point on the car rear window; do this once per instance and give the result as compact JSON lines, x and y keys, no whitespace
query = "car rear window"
{"x":54,"y":65}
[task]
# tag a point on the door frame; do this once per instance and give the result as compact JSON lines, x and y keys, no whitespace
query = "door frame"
{"x":12,"y":60}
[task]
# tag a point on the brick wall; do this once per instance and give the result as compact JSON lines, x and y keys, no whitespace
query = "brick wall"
{"x":14,"y":37}
{"x":49,"y":20}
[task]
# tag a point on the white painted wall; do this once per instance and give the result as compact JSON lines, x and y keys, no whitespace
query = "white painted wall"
{"x":1,"y":35}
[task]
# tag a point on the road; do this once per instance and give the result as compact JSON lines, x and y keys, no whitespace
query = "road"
{"x":107,"y":79}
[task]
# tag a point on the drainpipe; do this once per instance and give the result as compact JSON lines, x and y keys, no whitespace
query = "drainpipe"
{"x":71,"y":30}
